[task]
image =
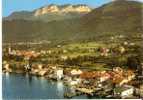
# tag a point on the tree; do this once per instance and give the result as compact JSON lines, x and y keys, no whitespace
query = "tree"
{"x":133,"y":62}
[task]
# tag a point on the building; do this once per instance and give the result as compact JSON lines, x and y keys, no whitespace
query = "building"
{"x":104,"y":77}
{"x":42,"y":72}
{"x":124,"y":91}
{"x":27,"y":67}
{"x":121,"y":76}
{"x":121,"y":49}
{"x":129,"y":75}
{"x":118,"y":70}
{"x":125,"y":43}
{"x":75,"y":81}
{"x":140,"y":70}
{"x":9,"y":50}
{"x":76,"y":72}
{"x":141,"y":90}
{"x":40,"y":66}
{"x":7,"y":67}
{"x":49,"y":51}
{"x":104,"y":51}
{"x":64,"y":57}
{"x":59,"y":74}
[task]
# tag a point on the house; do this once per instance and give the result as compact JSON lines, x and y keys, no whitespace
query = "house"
{"x":67,"y":78}
{"x":34,"y":71}
{"x":121,"y":36}
{"x":122,"y":77}
{"x":125,"y":43}
{"x":49,"y":51}
{"x":43,"y":52}
{"x":112,"y":38}
{"x":90,"y":75}
{"x":141,"y":70}
{"x":118,"y":70}
{"x":75,"y":81}
{"x":4,"y":62}
{"x":76,"y":72}
{"x":65,"y":51}
{"x":9,"y":50}
{"x":129,"y":75}
{"x":141,"y":90}
{"x":71,"y":81}
{"x":59,"y":73}
{"x":40,"y":66}
{"x":64,"y":57}
{"x":104,"y":77}
{"x":104,"y":51}
{"x":7,"y":68}
{"x":122,"y":49}
{"x":59,"y":46}
{"x":132,"y":44}
{"x":124,"y":91}
{"x":42,"y":72}
{"x":27,"y":67}
{"x":12,"y":52}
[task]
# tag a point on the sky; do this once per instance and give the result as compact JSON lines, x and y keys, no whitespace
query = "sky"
{"x":10,"y":6}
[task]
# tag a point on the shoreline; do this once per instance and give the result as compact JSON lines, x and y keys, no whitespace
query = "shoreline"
{"x":66,"y":95}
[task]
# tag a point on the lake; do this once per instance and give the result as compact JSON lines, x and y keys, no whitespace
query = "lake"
{"x":24,"y":86}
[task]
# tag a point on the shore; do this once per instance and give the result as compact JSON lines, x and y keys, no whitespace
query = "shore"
{"x":78,"y":87}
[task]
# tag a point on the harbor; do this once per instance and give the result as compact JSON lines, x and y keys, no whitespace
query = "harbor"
{"x":26,"y":87}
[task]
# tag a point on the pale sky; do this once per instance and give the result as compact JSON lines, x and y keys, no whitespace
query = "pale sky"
{"x":9,"y":6}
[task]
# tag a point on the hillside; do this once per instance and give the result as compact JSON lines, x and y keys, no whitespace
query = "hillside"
{"x":118,"y":17}
{"x":22,"y":30}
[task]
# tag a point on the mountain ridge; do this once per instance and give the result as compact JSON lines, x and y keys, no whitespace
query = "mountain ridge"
{"x":62,"y":9}
{"x":114,"y":18}
{"x":51,"y":12}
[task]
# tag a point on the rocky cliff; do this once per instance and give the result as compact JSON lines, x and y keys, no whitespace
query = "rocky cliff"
{"x":62,"y":9}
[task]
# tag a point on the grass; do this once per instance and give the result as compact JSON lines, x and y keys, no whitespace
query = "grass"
{"x":83,"y":49}
{"x":96,"y":66}
{"x":84,"y":45}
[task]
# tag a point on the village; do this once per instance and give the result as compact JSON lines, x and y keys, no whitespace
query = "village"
{"x":92,"y":71}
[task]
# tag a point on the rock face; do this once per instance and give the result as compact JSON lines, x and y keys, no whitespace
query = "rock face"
{"x":62,"y":9}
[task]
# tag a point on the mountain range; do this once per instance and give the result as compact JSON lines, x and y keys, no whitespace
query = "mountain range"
{"x":74,"y":22}
{"x":51,"y":12}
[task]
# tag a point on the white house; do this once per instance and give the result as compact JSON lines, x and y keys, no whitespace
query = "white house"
{"x":59,"y":74}
{"x":40,"y":66}
{"x":124,"y":91}
{"x":9,"y":50}
{"x":7,"y":67}
{"x":132,"y":44}
{"x":76,"y":72}
{"x":49,"y":51}
{"x":42,"y":72}
{"x":125,"y":43}
{"x":64,"y":57}
{"x":65,"y":51}
{"x":27,"y":66}
{"x":75,"y":81}
{"x":122,"y":49}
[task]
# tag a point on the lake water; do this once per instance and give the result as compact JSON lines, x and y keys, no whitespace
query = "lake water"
{"x":24,"y":86}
